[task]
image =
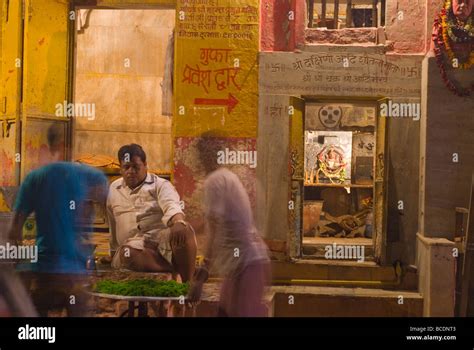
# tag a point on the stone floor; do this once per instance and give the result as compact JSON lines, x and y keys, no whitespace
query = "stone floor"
{"x":309,"y":300}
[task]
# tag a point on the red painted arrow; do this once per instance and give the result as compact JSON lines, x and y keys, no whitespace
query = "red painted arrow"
{"x":230,"y":102}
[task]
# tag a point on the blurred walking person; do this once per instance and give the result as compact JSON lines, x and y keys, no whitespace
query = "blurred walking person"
{"x":57,"y":194}
{"x":234,"y":248}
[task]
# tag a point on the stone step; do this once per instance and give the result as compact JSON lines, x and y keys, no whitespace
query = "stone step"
{"x":303,"y":301}
{"x":318,"y":251}
{"x":365,"y":274}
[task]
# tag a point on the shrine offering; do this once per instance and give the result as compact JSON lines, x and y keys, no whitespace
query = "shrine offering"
{"x":328,"y":157}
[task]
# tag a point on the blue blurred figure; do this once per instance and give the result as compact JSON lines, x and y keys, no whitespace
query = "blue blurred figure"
{"x":58,"y":194}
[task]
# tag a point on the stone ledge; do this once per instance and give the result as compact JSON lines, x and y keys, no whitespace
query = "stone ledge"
{"x":348,"y":48}
{"x":433,"y":241}
{"x":342,"y":36}
{"x":344,"y":305}
{"x":348,"y":292}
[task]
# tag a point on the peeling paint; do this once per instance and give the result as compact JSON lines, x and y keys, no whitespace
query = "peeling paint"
{"x":7,"y":173}
{"x":190,"y":174}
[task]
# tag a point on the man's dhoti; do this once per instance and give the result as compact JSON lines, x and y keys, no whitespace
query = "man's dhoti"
{"x":158,"y":239}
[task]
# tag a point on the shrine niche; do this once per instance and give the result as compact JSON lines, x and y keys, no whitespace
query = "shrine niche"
{"x":453,"y":39}
{"x":339,"y":158}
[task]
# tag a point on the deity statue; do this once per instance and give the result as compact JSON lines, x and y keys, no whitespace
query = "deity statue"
{"x":453,"y":40}
{"x":462,"y":9}
{"x":460,"y":30}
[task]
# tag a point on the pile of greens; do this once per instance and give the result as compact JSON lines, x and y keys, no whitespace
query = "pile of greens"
{"x":142,"y":287}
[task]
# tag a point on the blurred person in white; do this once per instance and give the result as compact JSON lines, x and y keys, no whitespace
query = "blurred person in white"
{"x":234,"y":249}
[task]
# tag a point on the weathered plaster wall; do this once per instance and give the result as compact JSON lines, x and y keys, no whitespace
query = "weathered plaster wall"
{"x":403,"y":188}
{"x":120,"y":67}
{"x":447,"y":128}
{"x":7,"y":158}
{"x":405,"y":25}
{"x":278,"y":31}
{"x":189,"y":175}
{"x":436,"y":271}
{"x":432,"y":11}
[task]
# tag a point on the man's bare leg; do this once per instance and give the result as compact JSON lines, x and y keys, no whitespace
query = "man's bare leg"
{"x":184,"y":257}
{"x":146,"y":260}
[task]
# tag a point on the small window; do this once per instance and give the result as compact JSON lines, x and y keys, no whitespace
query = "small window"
{"x":362,"y":17}
{"x":335,"y":14}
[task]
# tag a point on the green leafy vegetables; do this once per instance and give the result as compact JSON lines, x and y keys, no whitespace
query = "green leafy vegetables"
{"x":142,"y":287}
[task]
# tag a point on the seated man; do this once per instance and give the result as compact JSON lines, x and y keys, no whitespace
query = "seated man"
{"x":148,"y":231}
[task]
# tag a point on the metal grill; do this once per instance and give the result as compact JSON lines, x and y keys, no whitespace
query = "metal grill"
{"x":357,"y":14}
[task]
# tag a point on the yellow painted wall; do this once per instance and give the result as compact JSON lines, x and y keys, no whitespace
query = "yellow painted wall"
{"x":10,"y":75}
{"x":10,"y":66}
{"x":227,"y":74}
{"x":46,"y":63}
{"x":46,"y":56}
